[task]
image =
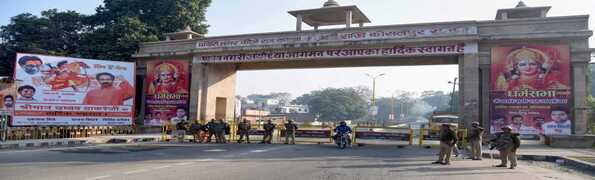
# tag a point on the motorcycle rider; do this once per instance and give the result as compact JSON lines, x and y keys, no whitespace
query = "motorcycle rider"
{"x":343,"y":129}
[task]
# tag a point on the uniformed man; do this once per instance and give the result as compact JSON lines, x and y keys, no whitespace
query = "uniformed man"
{"x":507,"y":143}
{"x":448,"y":139}
{"x":290,"y":129}
{"x":219,"y":128}
{"x":244,"y":130}
{"x":475,"y":139}
{"x":211,"y":129}
{"x":269,"y":127}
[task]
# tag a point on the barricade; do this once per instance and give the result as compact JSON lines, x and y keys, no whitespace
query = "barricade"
{"x":316,"y":135}
{"x":385,"y":134}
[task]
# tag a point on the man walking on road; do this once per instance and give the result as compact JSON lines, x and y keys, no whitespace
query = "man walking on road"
{"x":475,"y":139}
{"x":507,"y":143}
{"x":290,"y":129}
{"x":269,"y":127}
{"x":447,"y":140}
{"x":244,"y":130}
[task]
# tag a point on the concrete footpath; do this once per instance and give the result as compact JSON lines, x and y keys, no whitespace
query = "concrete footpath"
{"x":582,"y":159}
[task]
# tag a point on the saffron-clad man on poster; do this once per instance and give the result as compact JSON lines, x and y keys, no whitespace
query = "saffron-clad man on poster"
{"x":107,"y":94}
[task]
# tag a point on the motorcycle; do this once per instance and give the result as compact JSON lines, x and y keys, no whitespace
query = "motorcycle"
{"x":343,"y":140}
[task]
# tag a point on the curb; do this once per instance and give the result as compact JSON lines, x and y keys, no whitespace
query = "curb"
{"x":41,"y":144}
{"x":568,"y":162}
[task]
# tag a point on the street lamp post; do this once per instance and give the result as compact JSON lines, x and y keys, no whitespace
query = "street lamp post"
{"x":452,"y":94}
{"x":374,"y":92}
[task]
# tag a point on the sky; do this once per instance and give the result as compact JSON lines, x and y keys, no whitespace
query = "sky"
{"x":229,"y":17}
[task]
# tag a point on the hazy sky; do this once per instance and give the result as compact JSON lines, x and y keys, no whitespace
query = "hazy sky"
{"x":228,"y":17}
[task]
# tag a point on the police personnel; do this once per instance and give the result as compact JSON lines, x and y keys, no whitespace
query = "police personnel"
{"x":507,"y":143}
{"x":211,"y":129}
{"x":219,"y":128}
{"x":448,"y":139}
{"x":290,"y":129}
{"x":269,"y":127}
{"x":244,"y":130}
{"x":475,"y":139}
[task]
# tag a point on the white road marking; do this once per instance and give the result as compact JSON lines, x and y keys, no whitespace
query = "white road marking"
{"x":215,"y":150}
{"x":259,"y":150}
{"x":136,"y":171}
{"x":184,"y":163}
{"x":161,"y":167}
{"x":205,"y":160}
{"x":99,"y":177}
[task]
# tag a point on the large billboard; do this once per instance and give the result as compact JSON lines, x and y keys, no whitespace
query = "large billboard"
{"x":53,"y":90}
{"x":167,"y":91}
{"x":530,"y":89}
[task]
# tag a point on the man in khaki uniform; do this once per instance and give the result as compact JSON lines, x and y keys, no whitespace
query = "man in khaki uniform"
{"x":269,"y":128}
{"x":448,"y":139}
{"x":290,"y":129}
{"x":475,"y":139}
{"x":507,"y":143}
{"x":244,"y":130}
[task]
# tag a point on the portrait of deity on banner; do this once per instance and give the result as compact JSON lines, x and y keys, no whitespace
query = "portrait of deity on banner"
{"x":530,"y":89}
{"x":531,"y":69}
{"x":166,"y":80}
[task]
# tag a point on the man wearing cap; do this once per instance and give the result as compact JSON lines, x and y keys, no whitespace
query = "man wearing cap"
{"x":475,"y":137}
{"x":244,"y":131}
{"x":507,"y":143}
{"x":290,"y":129}
{"x":448,"y":139}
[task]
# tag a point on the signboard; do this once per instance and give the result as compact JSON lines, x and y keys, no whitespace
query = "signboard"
{"x":320,"y":53}
{"x":310,"y":133}
{"x":379,"y":33}
{"x":382,"y":135}
{"x":55,"y":90}
{"x":530,"y":89}
{"x":167,"y":91}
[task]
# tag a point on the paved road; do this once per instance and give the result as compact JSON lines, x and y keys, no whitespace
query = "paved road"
{"x":252,"y":162}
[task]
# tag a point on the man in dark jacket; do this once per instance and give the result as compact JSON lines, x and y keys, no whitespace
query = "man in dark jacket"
{"x":244,"y":130}
{"x":269,"y":128}
{"x":507,"y":143}
{"x":448,"y":139}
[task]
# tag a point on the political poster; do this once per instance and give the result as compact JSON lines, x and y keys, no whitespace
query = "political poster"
{"x":530,"y":89}
{"x":7,"y":97}
{"x":166,"y":92}
{"x":52,"y":90}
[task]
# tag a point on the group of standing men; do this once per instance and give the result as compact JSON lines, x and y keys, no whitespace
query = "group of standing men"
{"x":220,"y":128}
{"x":505,"y":142}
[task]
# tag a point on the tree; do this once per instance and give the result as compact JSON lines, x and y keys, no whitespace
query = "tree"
{"x":54,"y":33}
{"x":335,"y":104}
{"x":436,"y":99}
{"x":113,"y":33}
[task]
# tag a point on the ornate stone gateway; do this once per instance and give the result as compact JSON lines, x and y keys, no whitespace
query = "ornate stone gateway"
{"x":496,"y":59}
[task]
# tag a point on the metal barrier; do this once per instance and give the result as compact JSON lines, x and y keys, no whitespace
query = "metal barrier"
{"x":310,"y":133}
{"x":58,"y":132}
{"x":383,"y":133}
